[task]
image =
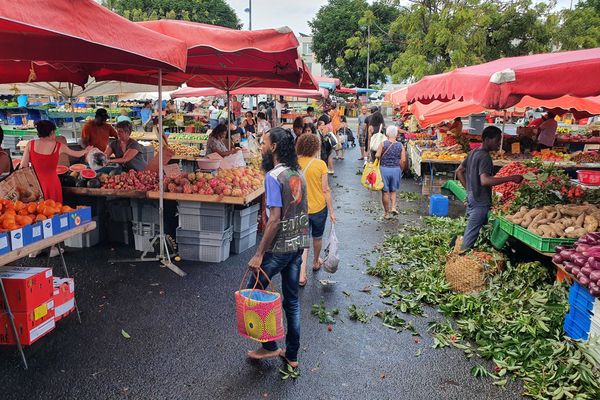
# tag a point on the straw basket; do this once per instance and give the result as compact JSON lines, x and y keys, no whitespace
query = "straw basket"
{"x":470,"y":273}
{"x":259,"y":313}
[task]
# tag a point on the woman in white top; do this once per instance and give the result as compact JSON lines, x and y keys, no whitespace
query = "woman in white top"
{"x":213,"y":116}
{"x":262,"y":126}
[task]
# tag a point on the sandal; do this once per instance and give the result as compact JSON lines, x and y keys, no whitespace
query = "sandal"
{"x":394,"y":212}
{"x":302,"y":283}
{"x":293,"y":364}
{"x":320,"y":265}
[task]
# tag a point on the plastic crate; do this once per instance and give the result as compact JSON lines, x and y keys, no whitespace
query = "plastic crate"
{"x":245,"y":218}
{"x":146,"y":212}
{"x":243,"y":241}
{"x":456,"y":188}
{"x":506,"y":225}
{"x":577,"y":325}
{"x":119,"y":210}
{"x":545,"y":245}
{"x":498,"y":237}
{"x":204,"y":246}
{"x":579,"y":297}
{"x":84,"y":240}
{"x":210,"y":219}
{"x":143,"y":243}
{"x":120,"y":232}
{"x":145,"y":229}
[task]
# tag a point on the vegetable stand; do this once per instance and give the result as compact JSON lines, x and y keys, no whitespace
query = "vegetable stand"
{"x":46,"y":243}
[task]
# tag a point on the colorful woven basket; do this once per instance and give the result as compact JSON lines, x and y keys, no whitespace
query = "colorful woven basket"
{"x":259,"y":313}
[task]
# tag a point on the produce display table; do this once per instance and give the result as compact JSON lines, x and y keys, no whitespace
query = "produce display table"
{"x":46,"y":243}
{"x":82,"y":191}
{"x":210,"y":198}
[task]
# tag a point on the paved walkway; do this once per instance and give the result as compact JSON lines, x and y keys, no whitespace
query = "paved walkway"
{"x":184,"y":343}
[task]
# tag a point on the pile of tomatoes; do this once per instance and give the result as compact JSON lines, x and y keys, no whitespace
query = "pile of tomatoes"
{"x":508,"y":189}
{"x":16,"y":214}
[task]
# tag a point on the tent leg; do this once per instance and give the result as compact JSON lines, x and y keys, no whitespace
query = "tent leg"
{"x":228,"y":118}
{"x":163,"y":254}
{"x":502,"y":137}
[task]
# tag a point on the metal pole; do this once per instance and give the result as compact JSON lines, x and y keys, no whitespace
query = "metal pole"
{"x":161,"y":188}
{"x":502,"y":137}
{"x":249,"y":15}
{"x":368,"y":52}
{"x":228,"y":116}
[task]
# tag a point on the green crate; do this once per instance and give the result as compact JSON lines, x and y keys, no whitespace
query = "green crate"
{"x":506,"y":225}
{"x":498,"y":236}
{"x":456,"y":188}
{"x":545,"y":245}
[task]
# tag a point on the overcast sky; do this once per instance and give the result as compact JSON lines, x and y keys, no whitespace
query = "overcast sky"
{"x":293,"y":13}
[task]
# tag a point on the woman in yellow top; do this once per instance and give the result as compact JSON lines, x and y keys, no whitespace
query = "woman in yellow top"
{"x":320,"y":203}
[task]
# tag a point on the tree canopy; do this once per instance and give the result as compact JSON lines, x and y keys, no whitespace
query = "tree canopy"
{"x":214,"y":12}
{"x":432,"y":36}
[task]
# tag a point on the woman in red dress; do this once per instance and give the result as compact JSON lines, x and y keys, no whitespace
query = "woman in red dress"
{"x":43,"y":154}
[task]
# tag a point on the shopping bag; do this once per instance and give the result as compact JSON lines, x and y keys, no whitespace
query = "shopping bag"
{"x":377,"y":139}
{"x":332,"y":257}
{"x":258,"y":312}
{"x":371,"y":177}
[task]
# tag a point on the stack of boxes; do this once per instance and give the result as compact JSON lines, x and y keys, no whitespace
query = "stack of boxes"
{"x":145,"y":223}
{"x":37,"y":300}
{"x":583,"y":320}
{"x":245,"y":228}
{"x":205,"y":231}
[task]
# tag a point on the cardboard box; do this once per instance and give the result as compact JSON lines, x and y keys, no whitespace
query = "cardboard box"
{"x":20,"y":237}
{"x":4,"y":243}
{"x":26,"y":287}
{"x":64,"y":297}
{"x":47,"y":228}
{"x":37,"y":232}
{"x":30,"y":325}
{"x":60,"y":223}
{"x":21,"y":185}
{"x":80,"y":216}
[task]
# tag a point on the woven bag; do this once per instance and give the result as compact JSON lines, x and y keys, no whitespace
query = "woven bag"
{"x":259,"y":312}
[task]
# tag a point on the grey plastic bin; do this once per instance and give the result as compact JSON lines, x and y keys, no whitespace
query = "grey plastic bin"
{"x":243,"y":241}
{"x":245,"y":218}
{"x":204,"y":216}
{"x":85,"y":240}
{"x":204,"y":246}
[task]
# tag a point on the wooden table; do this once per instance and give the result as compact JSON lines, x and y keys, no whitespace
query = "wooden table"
{"x":17,"y":254}
{"x":81,"y":191}
{"x":210,"y":198}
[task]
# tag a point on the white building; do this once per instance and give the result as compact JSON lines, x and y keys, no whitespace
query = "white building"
{"x":307,"y":54}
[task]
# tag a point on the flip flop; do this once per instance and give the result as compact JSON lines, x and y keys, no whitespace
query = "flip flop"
{"x":302,"y":284}
{"x":265,"y":356}
{"x":288,"y":362}
{"x":320,"y":265}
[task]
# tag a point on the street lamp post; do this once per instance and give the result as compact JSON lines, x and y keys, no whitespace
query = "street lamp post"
{"x":249,"y":11}
{"x":368,"y":52}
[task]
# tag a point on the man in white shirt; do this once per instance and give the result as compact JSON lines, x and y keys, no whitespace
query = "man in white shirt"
{"x":279,"y":104}
{"x":547,"y":132}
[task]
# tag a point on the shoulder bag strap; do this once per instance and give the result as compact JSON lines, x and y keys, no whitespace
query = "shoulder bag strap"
{"x":307,"y":166}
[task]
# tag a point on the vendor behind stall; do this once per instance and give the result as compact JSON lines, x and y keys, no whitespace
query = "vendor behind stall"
{"x":547,"y":132}
{"x":476,"y":173}
{"x":6,"y":165}
{"x":97,"y":131}
{"x":127,"y":151}
{"x":124,"y":115}
{"x":216,"y":142}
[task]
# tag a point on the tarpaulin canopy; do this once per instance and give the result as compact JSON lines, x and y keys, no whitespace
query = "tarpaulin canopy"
{"x":67,"y":40}
{"x":70,"y":90}
{"x":438,"y":111}
{"x":398,"y":97}
{"x":502,"y":83}
{"x":328,"y":83}
{"x":346,"y":90}
{"x":228,"y":59}
{"x":204,"y":92}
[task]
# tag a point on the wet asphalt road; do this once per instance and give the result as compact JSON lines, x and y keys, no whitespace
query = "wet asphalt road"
{"x":184,"y":343}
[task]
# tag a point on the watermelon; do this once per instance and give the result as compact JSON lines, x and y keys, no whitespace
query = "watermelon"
{"x":77,"y":167}
{"x":61,"y":169}
{"x":88,"y":173}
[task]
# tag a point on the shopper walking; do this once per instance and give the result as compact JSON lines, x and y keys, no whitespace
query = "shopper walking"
{"x":476,"y":173}
{"x":285,"y":236}
{"x":392,"y":161}
{"x":376,"y":126}
{"x":342,"y":135}
{"x":361,"y":131}
{"x":320,"y":202}
{"x":328,"y":143}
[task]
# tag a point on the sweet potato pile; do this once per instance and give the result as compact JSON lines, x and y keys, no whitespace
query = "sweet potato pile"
{"x":558,"y":221}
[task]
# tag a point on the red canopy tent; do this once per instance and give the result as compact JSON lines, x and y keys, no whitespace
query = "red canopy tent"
{"x":346,"y":90}
{"x":502,"y":83}
{"x":67,"y":40}
{"x":438,"y":111}
{"x":202,"y":92}
{"x":228,"y":59}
